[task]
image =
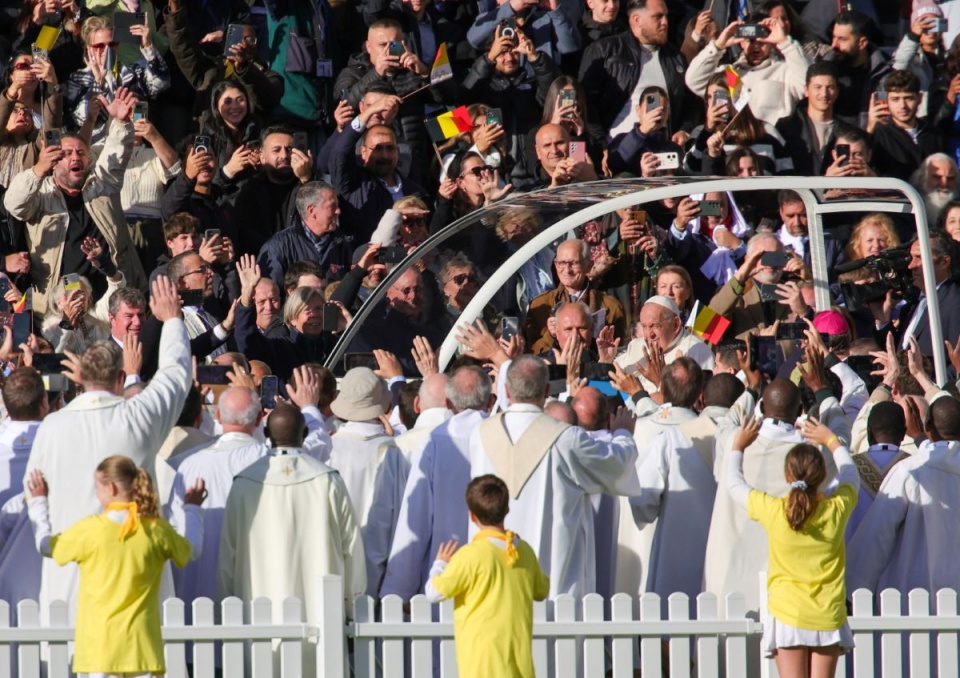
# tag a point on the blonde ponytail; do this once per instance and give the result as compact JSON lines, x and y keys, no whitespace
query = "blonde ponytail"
{"x":129,"y":477}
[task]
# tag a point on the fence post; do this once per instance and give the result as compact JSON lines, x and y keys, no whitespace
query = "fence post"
{"x":947,"y":664}
{"x":891,"y":652}
{"x":330,"y":656}
{"x":58,"y":659}
{"x":919,"y":606}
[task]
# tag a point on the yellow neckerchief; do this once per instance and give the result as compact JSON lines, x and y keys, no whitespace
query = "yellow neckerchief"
{"x":508,"y":536}
{"x":229,"y":70}
{"x":131,"y":522}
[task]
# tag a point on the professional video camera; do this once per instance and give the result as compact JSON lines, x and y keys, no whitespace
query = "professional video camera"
{"x":890,"y":270}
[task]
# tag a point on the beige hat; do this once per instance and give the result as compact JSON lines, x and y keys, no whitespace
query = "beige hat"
{"x":666,"y":302}
{"x":363,"y":396}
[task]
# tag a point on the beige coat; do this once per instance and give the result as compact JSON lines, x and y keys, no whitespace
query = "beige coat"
{"x":41,"y":205}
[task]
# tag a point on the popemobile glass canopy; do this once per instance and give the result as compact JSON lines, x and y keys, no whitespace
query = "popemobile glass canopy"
{"x":497,"y":239}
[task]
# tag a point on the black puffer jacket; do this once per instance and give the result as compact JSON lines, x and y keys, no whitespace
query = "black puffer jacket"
{"x":610,"y":71}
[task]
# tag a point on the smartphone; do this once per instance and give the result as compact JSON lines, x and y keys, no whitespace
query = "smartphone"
{"x":201,"y":143}
{"x":668,"y":161}
{"x":191,"y":297}
{"x":269,"y":388}
{"x":769,"y":357}
{"x":843,"y":154}
{"x":71,"y":282}
{"x":653,"y":102}
{"x":21,"y":329}
{"x":214,"y":374}
{"x":51,"y":137}
{"x":711,"y":208}
{"x":509,"y":327}
{"x":495,"y":117}
{"x":752,"y":31}
{"x":775,"y":260}
{"x":556,"y":372}
{"x":140,"y":110}
{"x":331,"y":317}
{"x":40,"y":54}
{"x":578,"y":151}
{"x":791,"y":331}
{"x":54,"y":383}
{"x":721,"y":96}
{"x":123,"y":22}
{"x":508,"y":27}
{"x":861,"y":364}
{"x":48,"y":363}
{"x":300,"y":141}
{"x":767,"y":292}
{"x":253,"y":145}
{"x":211,"y":233}
{"x":395,"y":48}
{"x":939,"y":26}
{"x":352,"y":360}
{"x":233,"y":37}
{"x":568,"y":97}
{"x":880,"y":96}
{"x":392,"y":255}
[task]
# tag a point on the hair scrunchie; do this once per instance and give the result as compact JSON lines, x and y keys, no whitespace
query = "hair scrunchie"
{"x":799,"y":485}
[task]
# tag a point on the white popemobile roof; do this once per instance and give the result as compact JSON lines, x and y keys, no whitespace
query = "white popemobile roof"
{"x":565,"y":208}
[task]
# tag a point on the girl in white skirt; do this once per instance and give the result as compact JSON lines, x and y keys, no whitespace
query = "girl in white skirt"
{"x":806,"y":626}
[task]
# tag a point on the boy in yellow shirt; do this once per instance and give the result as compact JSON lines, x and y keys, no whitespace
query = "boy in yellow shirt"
{"x":493,"y":582}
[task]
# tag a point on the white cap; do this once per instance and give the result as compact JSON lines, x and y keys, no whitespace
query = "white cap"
{"x":666,"y":302}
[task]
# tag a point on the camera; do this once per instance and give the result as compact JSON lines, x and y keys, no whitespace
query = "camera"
{"x":891,"y":270}
{"x":752,"y":31}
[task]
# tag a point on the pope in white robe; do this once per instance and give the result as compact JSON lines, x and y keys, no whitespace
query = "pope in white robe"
{"x":910,"y":537}
{"x":433,"y":509}
{"x":288,"y":521}
{"x":96,"y":424}
{"x":550,"y":504}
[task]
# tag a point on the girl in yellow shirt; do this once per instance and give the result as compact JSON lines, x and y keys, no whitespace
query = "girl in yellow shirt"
{"x":806,"y":626}
{"x":121,"y":553}
{"x":493,"y":581}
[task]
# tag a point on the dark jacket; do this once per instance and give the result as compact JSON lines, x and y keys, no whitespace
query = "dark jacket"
{"x":256,"y":222}
{"x":292,"y":244}
{"x":800,"y":140}
{"x":202,"y":72}
{"x":856,"y":86}
{"x":590,"y":32}
{"x":948,"y":295}
{"x":896,"y":154}
{"x":627,"y":149}
{"x":282,"y":354}
{"x":363,"y":197}
{"x":444,"y":30}
{"x":213,"y":210}
{"x":200,"y":346}
{"x":386,"y":329}
{"x":609,"y":73}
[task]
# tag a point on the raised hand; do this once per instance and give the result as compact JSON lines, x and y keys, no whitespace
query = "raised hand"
{"x":164,"y":301}
{"x":447,"y":549}
{"x":818,"y":434}
{"x":389,"y":366}
{"x":607,"y":344}
{"x":121,"y":108}
{"x":628,"y":383}
{"x":746,"y":434}
{"x":425,"y":357}
{"x":624,"y":419}
{"x":651,"y":368}
{"x":307,"y":390}
{"x":196,"y":494}
{"x":132,"y":354}
{"x":37,"y":484}
{"x":249,"y":273}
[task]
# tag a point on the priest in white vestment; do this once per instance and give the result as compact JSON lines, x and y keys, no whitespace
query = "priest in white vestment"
{"x":434,"y":508}
{"x":661,"y":327}
{"x":551,"y":470}
{"x":240,"y":414}
{"x":288,"y":521}
{"x":736,"y":546}
{"x":681,"y":383}
{"x":371,"y":465}
{"x":100,"y":422}
{"x":430,"y":405}
{"x":677,"y":494}
{"x":910,"y":537}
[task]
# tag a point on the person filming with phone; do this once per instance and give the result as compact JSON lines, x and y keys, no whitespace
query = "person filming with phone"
{"x":851,"y":155}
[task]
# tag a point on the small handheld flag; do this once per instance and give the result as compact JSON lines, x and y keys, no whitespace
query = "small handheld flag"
{"x":441,"y":69}
{"x":710,"y":325}
{"x":449,"y":124}
{"x":47,"y":38}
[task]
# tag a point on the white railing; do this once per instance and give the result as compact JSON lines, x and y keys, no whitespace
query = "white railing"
{"x":571,"y":638}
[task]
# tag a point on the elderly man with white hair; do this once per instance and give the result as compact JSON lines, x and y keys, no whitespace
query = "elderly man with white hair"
{"x":936,"y":179}
{"x":372,"y":467}
{"x":660,"y":330}
{"x":430,"y":404}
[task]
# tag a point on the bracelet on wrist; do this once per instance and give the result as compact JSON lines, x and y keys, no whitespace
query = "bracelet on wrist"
{"x":831,"y":439}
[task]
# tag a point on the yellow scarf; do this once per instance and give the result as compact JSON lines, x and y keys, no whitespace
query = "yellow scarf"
{"x":508,"y":536}
{"x":229,"y":70}
{"x":131,"y":522}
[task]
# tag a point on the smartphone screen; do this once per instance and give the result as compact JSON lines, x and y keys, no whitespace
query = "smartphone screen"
{"x":791,"y":331}
{"x":331,"y":317}
{"x":48,"y":363}
{"x":214,"y":374}
{"x":843,"y":154}
{"x":21,"y":329}
{"x":269,"y":388}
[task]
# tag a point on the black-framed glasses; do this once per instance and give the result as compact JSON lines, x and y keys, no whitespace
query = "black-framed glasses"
{"x":463,"y":278}
{"x":477,"y":171}
{"x":204,"y":269}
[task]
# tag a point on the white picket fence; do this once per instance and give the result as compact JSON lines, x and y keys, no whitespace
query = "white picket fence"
{"x":571,"y":638}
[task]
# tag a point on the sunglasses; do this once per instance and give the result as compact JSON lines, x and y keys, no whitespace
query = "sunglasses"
{"x":104,"y":45}
{"x":463,"y":278}
{"x":22,"y":66}
{"x":477,"y":171}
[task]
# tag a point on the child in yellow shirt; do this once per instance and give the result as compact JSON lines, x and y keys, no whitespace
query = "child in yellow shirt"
{"x":121,"y":553}
{"x":493,"y":582}
{"x":806,"y":627}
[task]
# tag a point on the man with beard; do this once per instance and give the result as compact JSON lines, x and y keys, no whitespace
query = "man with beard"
{"x":860,"y":65}
{"x":315,"y":237}
{"x":753,"y":298}
{"x":371,"y":189}
{"x":936,"y":179}
{"x":901,"y":140}
{"x":381,"y":116}
{"x":267,"y":203}
{"x":771,"y":67}
{"x":62,"y":210}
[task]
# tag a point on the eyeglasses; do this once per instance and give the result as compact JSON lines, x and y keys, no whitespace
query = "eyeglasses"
{"x":22,"y":66}
{"x":477,"y":171}
{"x":462,"y":278}
{"x":204,"y":269}
{"x":104,"y":45}
{"x":573,"y":263}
